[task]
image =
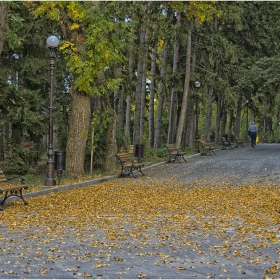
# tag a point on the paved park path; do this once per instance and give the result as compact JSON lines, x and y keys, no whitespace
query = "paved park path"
{"x":199,"y":226}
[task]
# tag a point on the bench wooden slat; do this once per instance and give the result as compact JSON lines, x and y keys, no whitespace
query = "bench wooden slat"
{"x":207,"y":148}
{"x":175,"y":154}
{"x":11,"y":189}
{"x":226,"y":144}
{"x":239,"y":143}
{"x":128,"y":165}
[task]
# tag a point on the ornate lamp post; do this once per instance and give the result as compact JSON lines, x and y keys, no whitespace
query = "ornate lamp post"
{"x":197,"y":85}
{"x":52,"y":43}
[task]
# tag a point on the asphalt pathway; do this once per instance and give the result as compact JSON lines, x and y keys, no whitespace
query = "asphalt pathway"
{"x":187,"y":252}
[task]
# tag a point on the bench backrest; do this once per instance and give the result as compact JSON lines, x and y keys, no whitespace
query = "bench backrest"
{"x":224,"y":139}
{"x":203,"y":143}
{"x":170,"y":147}
{"x":123,"y":157}
{"x":3,"y":180}
{"x":131,"y":149}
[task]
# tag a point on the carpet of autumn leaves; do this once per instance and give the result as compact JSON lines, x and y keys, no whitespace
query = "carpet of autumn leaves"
{"x":129,"y":209}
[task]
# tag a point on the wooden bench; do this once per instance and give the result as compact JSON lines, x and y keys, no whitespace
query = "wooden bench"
{"x":238,"y":142}
{"x":11,"y":190}
{"x":226,"y":144}
{"x":206,"y":148}
{"x":128,"y":165}
{"x":175,"y":154}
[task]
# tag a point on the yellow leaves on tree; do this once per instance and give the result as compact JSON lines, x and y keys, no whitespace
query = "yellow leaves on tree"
{"x":199,"y":11}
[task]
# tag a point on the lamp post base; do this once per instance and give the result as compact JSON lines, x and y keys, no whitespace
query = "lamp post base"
{"x":50,"y":182}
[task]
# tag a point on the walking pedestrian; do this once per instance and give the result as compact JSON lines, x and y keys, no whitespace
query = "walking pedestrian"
{"x":252,"y":131}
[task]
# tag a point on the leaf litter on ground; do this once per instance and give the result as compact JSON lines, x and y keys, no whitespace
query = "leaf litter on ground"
{"x":128,"y":210}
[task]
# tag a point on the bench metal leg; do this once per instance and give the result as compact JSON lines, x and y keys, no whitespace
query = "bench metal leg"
{"x":138,"y":169}
{"x":177,"y":158}
{"x":128,"y":171}
{"x":183,"y":159}
{"x":17,"y":193}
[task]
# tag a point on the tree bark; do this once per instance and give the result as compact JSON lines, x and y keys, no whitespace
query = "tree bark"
{"x":78,"y":132}
{"x":157,"y":142}
{"x":137,"y":137}
{"x":128,"y":98}
{"x":208,"y":119}
{"x":152,"y":95}
{"x":136,"y":125}
{"x":128,"y":117}
{"x":190,"y":124}
{"x":186,"y":90}
{"x":119,"y":104}
{"x":173,"y":98}
{"x":238,"y":117}
{"x":4,"y":8}
{"x":110,"y":131}
{"x":143,"y":103}
{"x":224,"y":120}
{"x":218,"y":119}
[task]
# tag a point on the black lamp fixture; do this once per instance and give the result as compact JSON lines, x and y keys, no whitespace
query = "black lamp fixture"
{"x":52,"y":43}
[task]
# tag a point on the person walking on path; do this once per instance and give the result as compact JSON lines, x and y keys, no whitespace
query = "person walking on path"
{"x":252,"y":132}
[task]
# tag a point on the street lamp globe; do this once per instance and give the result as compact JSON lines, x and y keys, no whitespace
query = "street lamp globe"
{"x":197,"y":84}
{"x":52,"y":41}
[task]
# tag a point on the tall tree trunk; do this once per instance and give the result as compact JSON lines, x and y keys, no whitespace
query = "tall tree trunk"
{"x":231,"y":122}
{"x":4,"y":8}
{"x":120,"y":114}
{"x":128,"y":98}
{"x":119,"y":107}
{"x":143,"y":87}
{"x":110,"y":131}
{"x":152,"y":96}
{"x":143,"y":103}
{"x":172,"y":121}
{"x":190,"y":124}
{"x":136,"y":125}
{"x":157,"y":142}
{"x":208,"y":119}
{"x":78,"y":132}
{"x":238,"y":117}
{"x":128,"y":117}
{"x":218,"y":119}
{"x":224,"y":120}
{"x":137,"y":137}
{"x":182,"y":118}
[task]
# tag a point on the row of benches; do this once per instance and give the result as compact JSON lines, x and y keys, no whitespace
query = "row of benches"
{"x":238,"y":143}
{"x":128,"y":166}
